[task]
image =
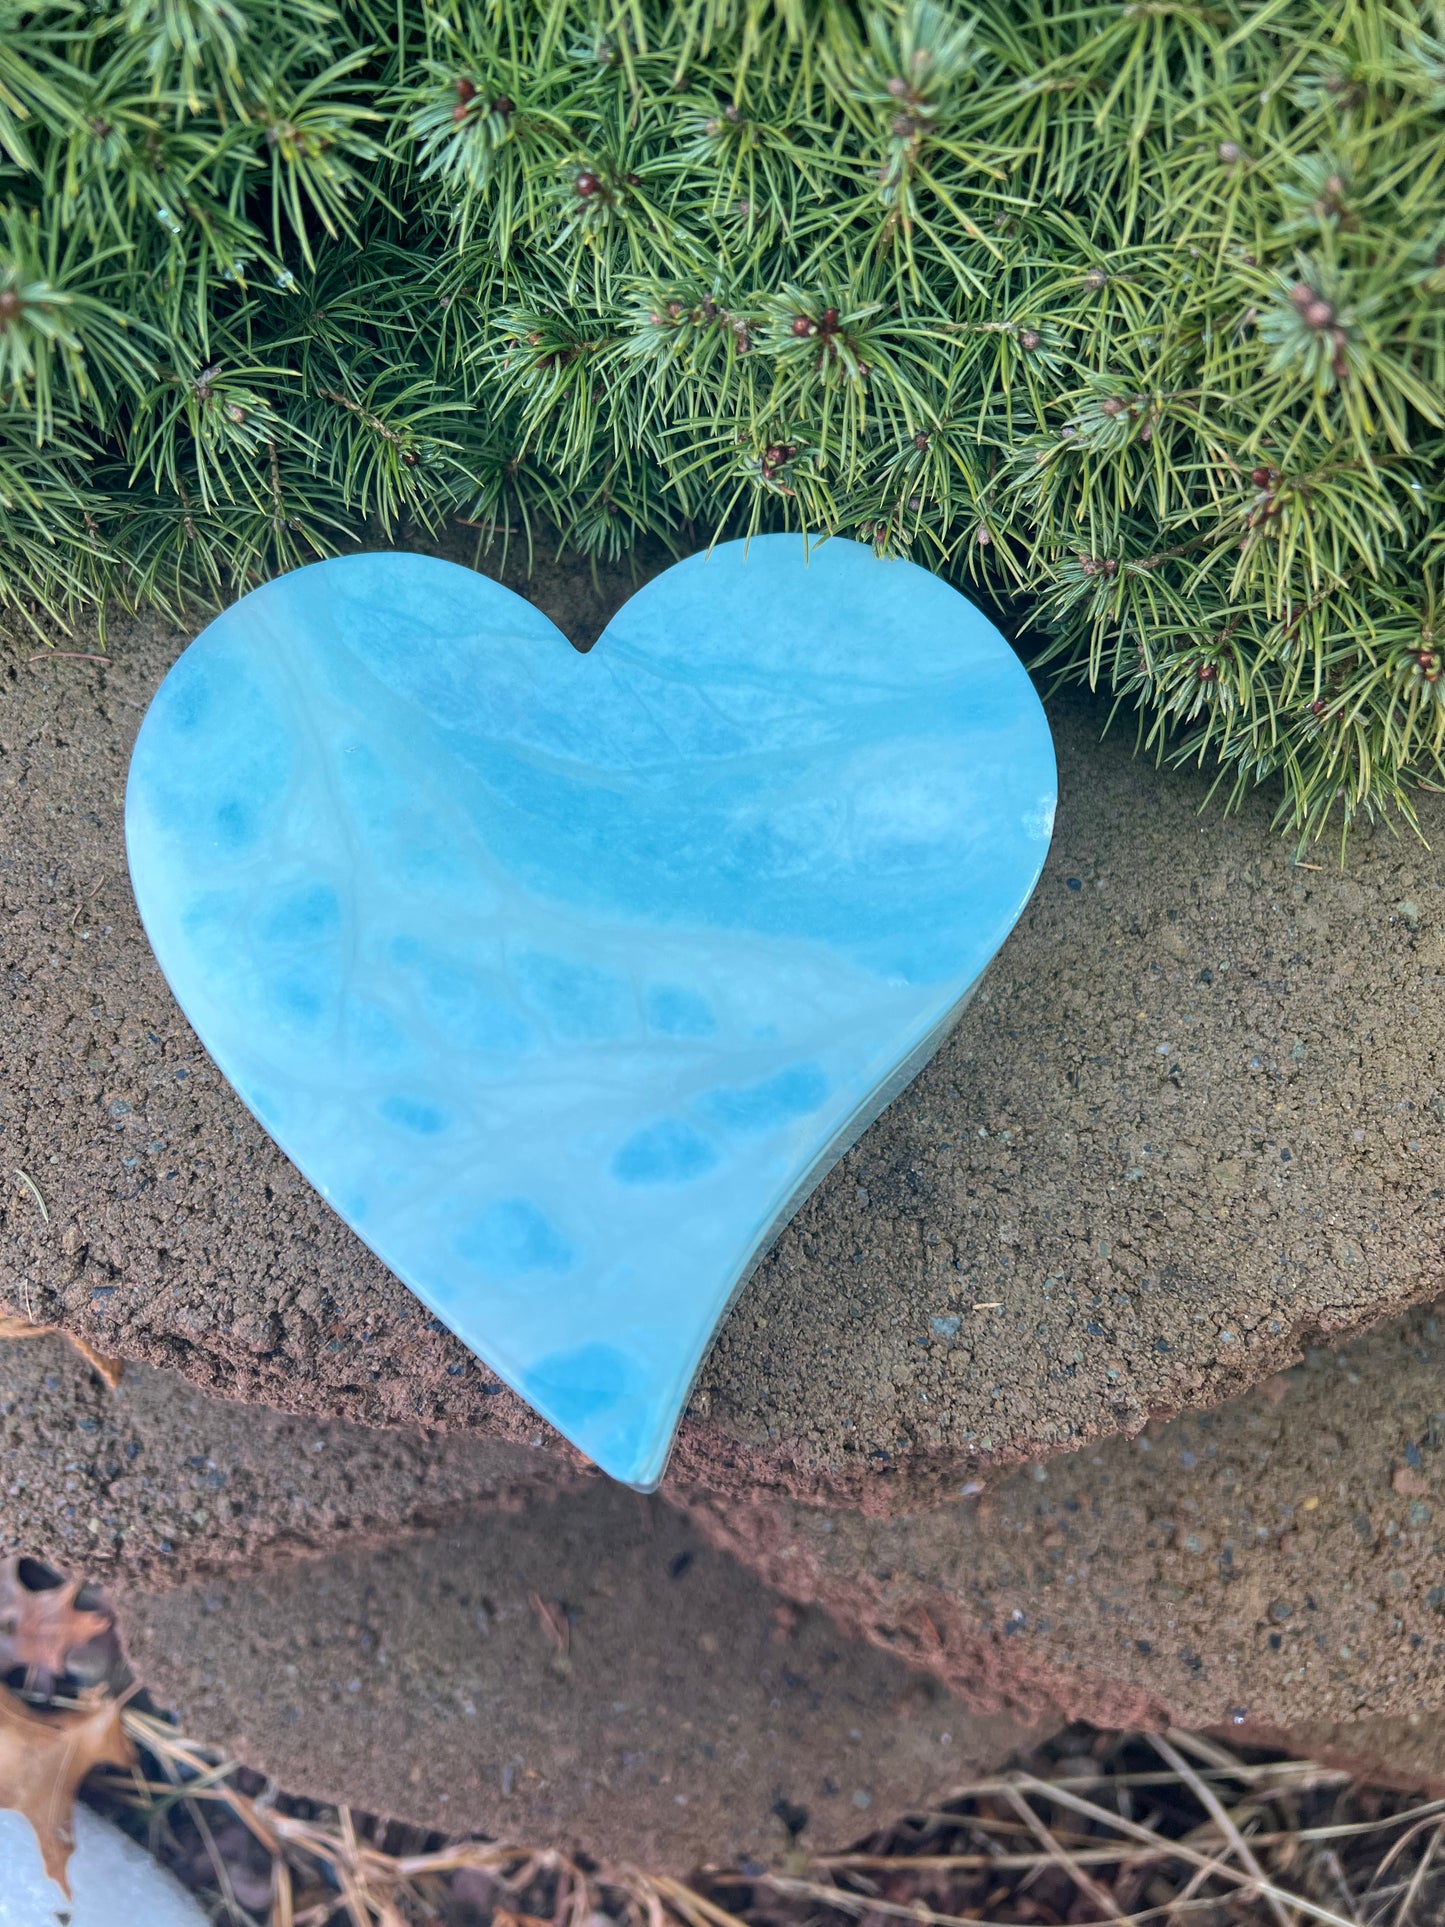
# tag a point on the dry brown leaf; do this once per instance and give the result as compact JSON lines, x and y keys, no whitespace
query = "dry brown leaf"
{"x":40,"y":1628}
{"x":43,"y":1759}
{"x":109,"y":1370}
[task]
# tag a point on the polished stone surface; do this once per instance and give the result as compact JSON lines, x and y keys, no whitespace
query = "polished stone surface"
{"x":564,"y":977}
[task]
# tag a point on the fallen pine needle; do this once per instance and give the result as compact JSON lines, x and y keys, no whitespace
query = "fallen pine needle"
{"x":12,"y":1325}
{"x":109,"y":1370}
{"x":554,"y":1623}
{"x":1062,"y":1857}
{"x":1053,"y":1790}
{"x":89,"y":898}
{"x":1210,"y":1801}
{"x":34,"y":1189}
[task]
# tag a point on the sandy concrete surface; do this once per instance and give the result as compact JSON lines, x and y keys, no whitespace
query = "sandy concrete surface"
{"x":1279,"y":1561}
{"x":589,"y":1675}
{"x":155,"y":1482}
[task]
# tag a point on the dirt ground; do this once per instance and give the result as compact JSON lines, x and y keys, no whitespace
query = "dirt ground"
{"x":1191,"y":1123}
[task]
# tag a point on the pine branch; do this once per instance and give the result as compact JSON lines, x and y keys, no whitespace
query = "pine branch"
{"x":1130,"y":316}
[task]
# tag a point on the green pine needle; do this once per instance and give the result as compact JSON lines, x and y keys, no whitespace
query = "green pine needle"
{"x":1130,"y":317}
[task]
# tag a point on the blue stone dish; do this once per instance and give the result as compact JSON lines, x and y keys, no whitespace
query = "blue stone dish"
{"x":564,"y":978}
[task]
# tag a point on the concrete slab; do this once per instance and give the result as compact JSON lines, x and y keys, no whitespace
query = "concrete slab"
{"x":418,"y":1670}
{"x":154,"y":1482}
{"x":1192,"y":1121}
{"x":587,"y":1676}
{"x":1279,"y":1561}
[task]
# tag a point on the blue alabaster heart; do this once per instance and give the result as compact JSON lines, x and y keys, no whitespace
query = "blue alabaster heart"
{"x":564,"y":978}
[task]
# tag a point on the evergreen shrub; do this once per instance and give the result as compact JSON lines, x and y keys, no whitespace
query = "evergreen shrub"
{"x":1130,"y":315}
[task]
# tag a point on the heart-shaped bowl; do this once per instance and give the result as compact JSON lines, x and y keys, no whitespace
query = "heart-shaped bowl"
{"x":564,"y":978}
